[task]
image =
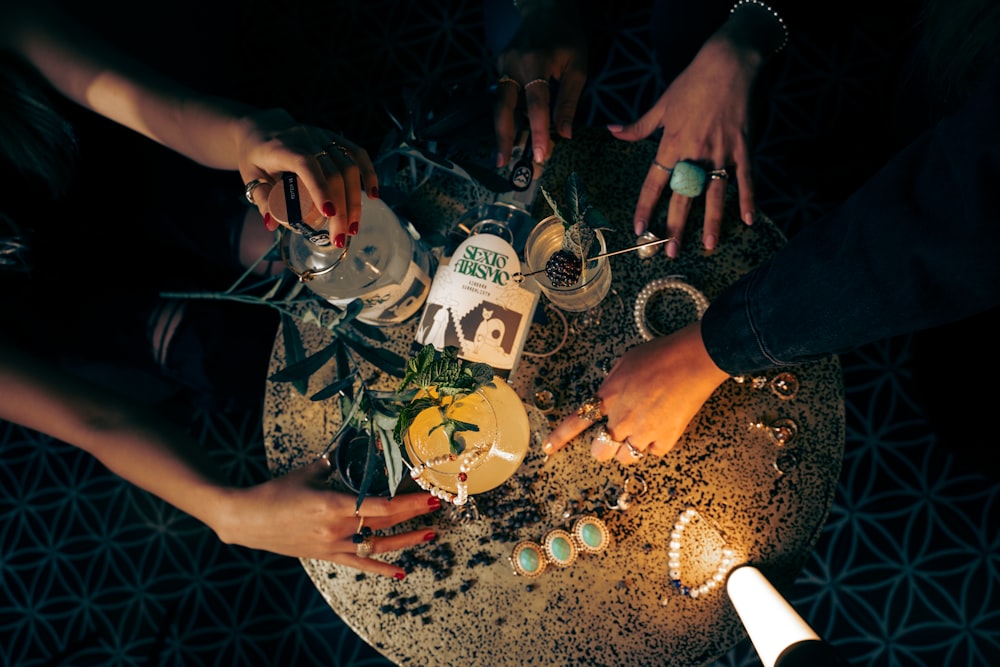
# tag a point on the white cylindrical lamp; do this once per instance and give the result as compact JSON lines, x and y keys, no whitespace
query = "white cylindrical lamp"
{"x":779,"y":635}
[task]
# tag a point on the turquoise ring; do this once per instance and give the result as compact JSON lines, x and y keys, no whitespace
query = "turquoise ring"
{"x":688,"y":179}
{"x":591,"y":534}
{"x":527,"y":559}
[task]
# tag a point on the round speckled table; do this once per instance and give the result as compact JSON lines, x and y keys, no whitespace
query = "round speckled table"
{"x":462,"y":603}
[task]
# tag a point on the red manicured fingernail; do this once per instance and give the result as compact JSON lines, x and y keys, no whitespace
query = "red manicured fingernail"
{"x":353,"y":229}
{"x":429,"y":536}
{"x":374,"y":193}
{"x":340,"y":240}
{"x":329,"y":210}
{"x":268,"y":221}
{"x":434,"y":502}
{"x":399,"y":576}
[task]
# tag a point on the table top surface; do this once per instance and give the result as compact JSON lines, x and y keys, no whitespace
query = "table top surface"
{"x":766,"y":501}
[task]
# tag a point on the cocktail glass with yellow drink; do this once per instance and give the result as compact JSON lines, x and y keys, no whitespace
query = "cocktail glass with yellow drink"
{"x":463,"y":434}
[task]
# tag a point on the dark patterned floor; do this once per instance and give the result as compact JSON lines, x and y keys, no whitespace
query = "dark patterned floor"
{"x":95,"y":572}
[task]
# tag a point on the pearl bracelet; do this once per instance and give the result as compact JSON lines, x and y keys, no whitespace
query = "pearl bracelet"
{"x":674,"y":560}
{"x":770,"y":10}
{"x":659,"y":285}
{"x":461,"y":496}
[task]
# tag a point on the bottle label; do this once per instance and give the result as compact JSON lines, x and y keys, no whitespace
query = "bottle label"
{"x":475,"y":305}
{"x":392,"y":304}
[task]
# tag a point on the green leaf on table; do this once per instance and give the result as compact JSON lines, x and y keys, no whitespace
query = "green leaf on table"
{"x":295,"y":352}
{"x":334,"y":388}
{"x":371,"y":461}
{"x":381,"y":358}
{"x":303,"y":370}
{"x":370,"y":331}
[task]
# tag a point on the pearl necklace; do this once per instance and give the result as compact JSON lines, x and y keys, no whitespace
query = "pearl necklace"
{"x":468,"y":461}
{"x":674,"y":560}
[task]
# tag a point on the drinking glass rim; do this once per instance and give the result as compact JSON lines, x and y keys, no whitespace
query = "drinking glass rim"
{"x":543,"y":280}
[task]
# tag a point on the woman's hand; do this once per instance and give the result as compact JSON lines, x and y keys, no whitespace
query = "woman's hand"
{"x":298,"y":515}
{"x":332,"y":169}
{"x":649,"y":397}
{"x":703,"y":115}
{"x":549,"y":44}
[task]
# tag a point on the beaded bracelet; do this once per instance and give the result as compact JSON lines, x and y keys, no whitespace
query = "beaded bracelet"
{"x":674,"y":560}
{"x":659,"y":285}
{"x":461,"y":496}
{"x":770,"y":10}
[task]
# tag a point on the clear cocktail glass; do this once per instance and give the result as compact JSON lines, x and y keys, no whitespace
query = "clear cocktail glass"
{"x":595,"y":279}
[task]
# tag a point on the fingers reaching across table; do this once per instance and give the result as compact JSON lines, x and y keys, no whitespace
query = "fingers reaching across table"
{"x":646,"y":401}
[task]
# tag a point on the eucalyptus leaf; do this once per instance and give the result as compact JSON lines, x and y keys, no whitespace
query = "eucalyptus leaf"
{"x":333,"y":389}
{"x":383,"y":359}
{"x":371,"y":460}
{"x":295,"y":352}
{"x":304,"y":369}
{"x":370,"y":331}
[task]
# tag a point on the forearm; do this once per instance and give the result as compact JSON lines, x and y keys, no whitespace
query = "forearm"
{"x":93,"y":74}
{"x":135,"y":444}
{"x":914,"y":248}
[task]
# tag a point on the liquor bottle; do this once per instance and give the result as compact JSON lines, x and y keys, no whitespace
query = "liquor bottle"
{"x":385,"y":265}
{"x":476,"y":304}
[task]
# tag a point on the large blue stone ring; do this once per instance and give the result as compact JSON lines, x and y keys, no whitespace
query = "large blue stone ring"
{"x":688,"y":179}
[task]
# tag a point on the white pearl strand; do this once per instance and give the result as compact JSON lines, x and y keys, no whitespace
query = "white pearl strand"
{"x":658,"y":285}
{"x":674,"y":560}
{"x":462,"y":487}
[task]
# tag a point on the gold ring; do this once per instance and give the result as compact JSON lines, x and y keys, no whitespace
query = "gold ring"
{"x":592,"y":410}
{"x":251,"y":186}
{"x":320,"y":154}
{"x":534,"y":81}
{"x":507,"y":79}
{"x":663,"y":168}
{"x":365,"y":548}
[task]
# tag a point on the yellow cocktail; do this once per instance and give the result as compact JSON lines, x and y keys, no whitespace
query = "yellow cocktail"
{"x":489,"y":456}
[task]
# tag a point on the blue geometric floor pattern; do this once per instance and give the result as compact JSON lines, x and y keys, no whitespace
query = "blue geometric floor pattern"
{"x":94,"y":571}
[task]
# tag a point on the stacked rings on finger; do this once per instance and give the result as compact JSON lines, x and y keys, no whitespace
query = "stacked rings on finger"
{"x":718,"y":174}
{"x":688,"y":179}
{"x":250,"y":187}
{"x":592,"y":410}
{"x":605,"y":439}
{"x":362,"y":533}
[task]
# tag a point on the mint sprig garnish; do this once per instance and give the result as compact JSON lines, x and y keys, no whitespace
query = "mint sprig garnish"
{"x":449,"y":376}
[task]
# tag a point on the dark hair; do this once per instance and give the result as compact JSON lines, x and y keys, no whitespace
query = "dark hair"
{"x":38,"y":148}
